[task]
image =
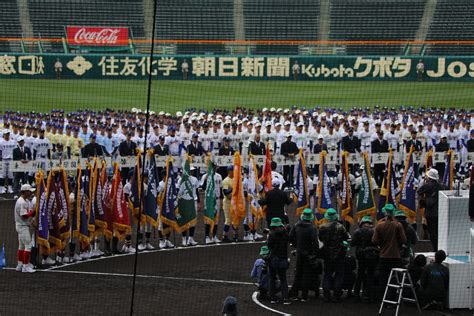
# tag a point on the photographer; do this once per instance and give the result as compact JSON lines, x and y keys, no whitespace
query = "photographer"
{"x":389,"y":236}
{"x":275,"y":200}
{"x":407,"y":253}
{"x":278,"y":244}
{"x":333,"y":234}
{"x":304,"y":237}
{"x":367,"y":255}
{"x":260,"y":272}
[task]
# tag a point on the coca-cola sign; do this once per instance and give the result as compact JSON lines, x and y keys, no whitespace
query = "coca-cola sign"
{"x":97,"y":36}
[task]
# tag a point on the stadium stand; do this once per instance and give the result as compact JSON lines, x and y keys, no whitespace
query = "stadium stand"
{"x":262,"y":20}
{"x":375,"y":20}
{"x":276,"y":20}
{"x":452,"y":21}
{"x":10,"y":25}
{"x":195,"y":20}
{"x":50,"y":17}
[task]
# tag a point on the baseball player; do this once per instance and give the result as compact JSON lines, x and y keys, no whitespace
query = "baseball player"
{"x":24,"y":216}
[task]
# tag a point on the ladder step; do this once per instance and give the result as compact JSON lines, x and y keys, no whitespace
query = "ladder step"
{"x":390,"y":302}
{"x":411,"y":300}
{"x":394,"y":285}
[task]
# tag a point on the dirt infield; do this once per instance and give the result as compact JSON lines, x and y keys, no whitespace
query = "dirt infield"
{"x":189,"y":281}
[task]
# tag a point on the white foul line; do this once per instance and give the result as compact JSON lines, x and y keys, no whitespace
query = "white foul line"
{"x":146,"y":252}
{"x":256,"y":301}
{"x":130,"y":275}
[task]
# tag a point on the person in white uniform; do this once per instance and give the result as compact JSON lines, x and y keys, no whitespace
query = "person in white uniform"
{"x":24,"y":217}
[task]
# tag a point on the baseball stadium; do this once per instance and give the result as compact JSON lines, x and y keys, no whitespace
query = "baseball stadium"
{"x":237,"y":157}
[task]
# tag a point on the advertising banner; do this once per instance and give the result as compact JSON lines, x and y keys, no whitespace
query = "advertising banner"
{"x":97,"y":36}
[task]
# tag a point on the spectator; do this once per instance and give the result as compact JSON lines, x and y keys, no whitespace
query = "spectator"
{"x":333,"y":234}
{"x":407,"y":252}
{"x":389,"y":236}
{"x":367,"y":255}
{"x":304,"y":236}
{"x":278,"y":245}
{"x":260,"y":272}
{"x":434,"y":282}
{"x":428,"y":194}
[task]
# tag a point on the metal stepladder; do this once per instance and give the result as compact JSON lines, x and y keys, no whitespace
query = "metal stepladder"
{"x":399,"y":280}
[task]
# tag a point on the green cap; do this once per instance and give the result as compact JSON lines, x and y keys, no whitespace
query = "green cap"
{"x":388,"y":209}
{"x":264,"y":251}
{"x":331,"y":215}
{"x":276,"y":221}
{"x":366,"y":219}
{"x":400,"y":213}
{"x":307,"y":215}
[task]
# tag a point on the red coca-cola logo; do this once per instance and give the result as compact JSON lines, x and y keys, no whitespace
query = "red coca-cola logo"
{"x":97,"y":36}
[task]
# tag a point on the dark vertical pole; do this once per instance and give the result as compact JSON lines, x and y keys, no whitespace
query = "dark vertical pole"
{"x":147,"y":117}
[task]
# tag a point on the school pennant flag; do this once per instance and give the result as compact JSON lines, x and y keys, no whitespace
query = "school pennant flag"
{"x":301,"y":187}
{"x":107,"y":207}
{"x":449,"y":170}
{"x":135,"y":197}
{"x":365,"y":197}
{"x":186,"y":213}
{"x":64,"y":206}
{"x":56,"y":222}
{"x":94,"y":173}
{"x":429,"y":159}
{"x":407,"y":196}
{"x":324,"y":186}
{"x":345,"y":195}
{"x":121,"y":220}
{"x":266,"y":178}
{"x":210,"y":201}
{"x":237,"y":204}
{"x":252,"y":193}
{"x":169,"y":198}
{"x":390,"y":189}
{"x":97,"y":205}
{"x":150,"y":208}
{"x":84,"y":206}
{"x":42,"y":218}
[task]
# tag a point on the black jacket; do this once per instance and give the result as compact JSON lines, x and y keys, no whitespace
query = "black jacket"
{"x":196,"y":149}
{"x":362,"y":241}
{"x":92,"y":150}
{"x":442,"y":147}
{"x":275,"y":200}
{"x":435,"y":281}
{"x":470,"y":145}
{"x":18,"y":155}
{"x":127,"y":149}
{"x":415,"y":143}
{"x":317,"y":148}
{"x":428,"y":194}
{"x":333,"y":234}
{"x":379,"y":147}
{"x":304,"y":237}
{"x":229,"y":151}
{"x":161,"y":150}
{"x":257,"y":149}
{"x":349,"y":145}
{"x":289,"y":147}
{"x":278,"y":242}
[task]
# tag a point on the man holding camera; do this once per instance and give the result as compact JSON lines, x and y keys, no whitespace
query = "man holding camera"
{"x":304,"y":237}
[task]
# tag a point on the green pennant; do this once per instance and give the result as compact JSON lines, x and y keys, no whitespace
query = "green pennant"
{"x":186,"y":213}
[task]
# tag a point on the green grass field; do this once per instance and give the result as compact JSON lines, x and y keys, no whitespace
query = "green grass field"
{"x":171,"y":96}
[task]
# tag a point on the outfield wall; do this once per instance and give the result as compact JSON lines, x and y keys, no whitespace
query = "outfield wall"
{"x":96,"y":66}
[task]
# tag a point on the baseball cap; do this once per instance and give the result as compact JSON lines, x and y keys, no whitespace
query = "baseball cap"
{"x":21,"y":139}
{"x":27,"y":187}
